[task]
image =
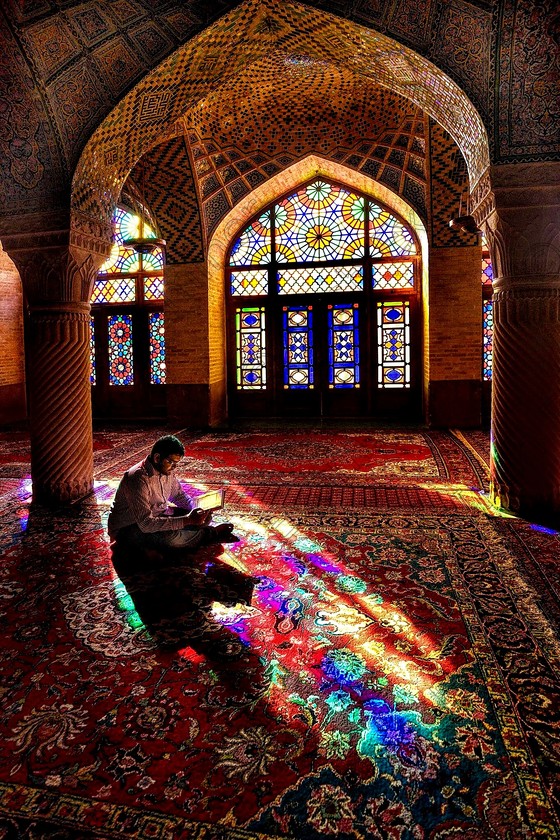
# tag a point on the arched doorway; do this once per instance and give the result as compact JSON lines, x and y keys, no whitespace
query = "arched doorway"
{"x":323,"y":309}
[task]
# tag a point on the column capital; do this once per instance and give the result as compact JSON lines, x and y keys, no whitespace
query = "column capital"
{"x":58,"y":257}
{"x":53,"y":272}
{"x":518,"y":207}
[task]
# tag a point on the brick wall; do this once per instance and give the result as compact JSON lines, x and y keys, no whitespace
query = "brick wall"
{"x":455,"y":313}
{"x":195,"y":346}
{"x":12,"y":375}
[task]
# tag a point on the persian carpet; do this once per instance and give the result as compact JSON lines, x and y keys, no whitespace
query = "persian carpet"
{"x":395,"y":676}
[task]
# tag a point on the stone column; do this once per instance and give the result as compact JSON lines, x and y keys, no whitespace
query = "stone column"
{"x":523,"y":229}
{"x":57,"y":281}
{"x":60,"y":402}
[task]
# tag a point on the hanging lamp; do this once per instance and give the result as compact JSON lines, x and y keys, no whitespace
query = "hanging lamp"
{"x":144,"y":244}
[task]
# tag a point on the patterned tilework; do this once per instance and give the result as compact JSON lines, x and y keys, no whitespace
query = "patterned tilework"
{"x":509,"y":70}
{"x":464,"y":36}
{"x":78,"y":97}
{"x":117,"y":64}
{"x":30,"y":164}
{"x":302,"y":41}
{"x":170,"y":193}
{"x":53,"y":44}
{"x":92,"y":23}
{"x":528,"y":67}
{"x":412,"y":20}
{"x":368,"y":128}
{"x":447,"y":183}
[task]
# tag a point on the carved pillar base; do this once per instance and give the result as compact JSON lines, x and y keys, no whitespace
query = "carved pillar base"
{"x":60,"y":403}
{"x":526,"y":403}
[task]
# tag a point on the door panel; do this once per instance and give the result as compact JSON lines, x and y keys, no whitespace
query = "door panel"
{"x":330,"y":359}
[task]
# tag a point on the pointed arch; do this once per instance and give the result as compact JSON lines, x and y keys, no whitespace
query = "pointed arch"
{"x":266,"y":194}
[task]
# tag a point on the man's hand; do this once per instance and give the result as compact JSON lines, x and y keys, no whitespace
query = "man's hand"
{"x":197,"y":516}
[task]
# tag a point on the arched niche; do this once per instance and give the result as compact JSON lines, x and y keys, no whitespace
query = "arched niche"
{"x":153,"y":109}
{"x":264,"y":195}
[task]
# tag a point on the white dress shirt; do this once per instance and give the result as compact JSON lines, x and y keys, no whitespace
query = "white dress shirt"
{"x":143,"y":498}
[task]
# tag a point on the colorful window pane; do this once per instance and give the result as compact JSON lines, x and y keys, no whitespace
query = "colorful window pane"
{"x":488,"y":334}
{"x":249,"y":282}
{"x":487,"y":274}
{"x":157,"y":348}
{"x":153,"y":261}
{"x":250,"y":348}
{"x":387,"y":236}
{"x":393,"y":344}
{"x":92,"y":374}
{"x":122,"y":260}
{"x":298,"y":346}
{"x":253,"y":246}
{"x":120,"y":350}
{"x":127,"y":226}
{"x":399,"y":275}
{"x":153,"y":288}
{"x":320,"y":222}
{"x":343,"y":346}
{"x":332,"y":279}
{"x":114,"y":290}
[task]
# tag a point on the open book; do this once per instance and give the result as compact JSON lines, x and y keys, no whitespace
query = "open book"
{"x":212,"y":500}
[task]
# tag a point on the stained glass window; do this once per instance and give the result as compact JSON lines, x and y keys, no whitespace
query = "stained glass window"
{"x":388,"y":237}
{"x":298,"y":346}
{"x":393,"y":343}
{"x":121,"y":260}
{"x":336,"y":278}
{"x":157,"y":348}
{"x":324,"y":239}
{"x":153,"y":261}
{"x":249,"y":282}
{"x":487,"y":312}
{"x":153,"y":288}
{"x":92,"y":375}
{"x":343,"y":346}
{"x":253,"y":246}
{"x":114,"y":290}
{"x":487,"y":275}
{"x":488,"y":334}
{"x":250,"y":348}
{"x":127,"y":226}
{"x":320,"y":222}
{"x":130,"y":281}
{"x":120,"y":350}
{"x":398,"y":275}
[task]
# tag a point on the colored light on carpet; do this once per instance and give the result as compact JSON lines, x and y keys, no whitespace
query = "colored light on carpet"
{"x":374,"y":688}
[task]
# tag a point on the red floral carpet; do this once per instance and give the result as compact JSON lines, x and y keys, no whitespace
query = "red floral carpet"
{"x":395,"y":676}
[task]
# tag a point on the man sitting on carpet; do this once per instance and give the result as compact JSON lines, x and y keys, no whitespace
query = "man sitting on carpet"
{"x":141,"y":515}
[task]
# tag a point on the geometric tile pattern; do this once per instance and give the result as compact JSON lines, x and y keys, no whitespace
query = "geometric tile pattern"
{"x":449,"y":189}
{"x":72,"y":62}
{"x":372,"y":130}
{"x":288,"y":43}
{"x":528,"y":68}
{"x":170,"y":193}
{"x":464,"y":36}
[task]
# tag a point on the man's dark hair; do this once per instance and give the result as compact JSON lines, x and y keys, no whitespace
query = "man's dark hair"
{"x":167,"y":445}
